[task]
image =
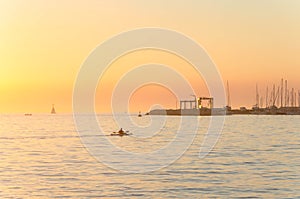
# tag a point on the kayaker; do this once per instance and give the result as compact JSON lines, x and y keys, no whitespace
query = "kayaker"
{"x":121,"y":131}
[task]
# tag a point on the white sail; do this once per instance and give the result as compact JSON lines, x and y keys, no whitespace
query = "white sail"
{"x":53,"y":110}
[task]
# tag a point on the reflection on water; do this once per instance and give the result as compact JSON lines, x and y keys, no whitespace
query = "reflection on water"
{"x":256,"y":156}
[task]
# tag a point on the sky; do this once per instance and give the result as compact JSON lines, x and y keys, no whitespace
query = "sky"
{"x":44,"y":43}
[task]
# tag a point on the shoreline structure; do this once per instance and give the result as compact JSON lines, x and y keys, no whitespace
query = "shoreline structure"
{"x":280,"y":100}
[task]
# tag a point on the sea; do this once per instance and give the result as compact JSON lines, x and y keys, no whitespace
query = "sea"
{"x":48,"y":156}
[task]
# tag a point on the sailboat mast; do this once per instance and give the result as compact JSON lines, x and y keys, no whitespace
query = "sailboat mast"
{"x":285,"y":94}
{"x":257,"y":97}
{"x":274,"y":95}
{"x":267,"y":97}
{"x":228,"y":96}
{"x":299,"y":98}
{"x":281,"y":93}
{"x":292,"y":97}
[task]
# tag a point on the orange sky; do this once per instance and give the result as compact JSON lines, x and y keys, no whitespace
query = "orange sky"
{"x":44,"y":43}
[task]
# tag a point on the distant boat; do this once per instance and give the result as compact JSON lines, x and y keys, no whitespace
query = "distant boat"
{"x":28,"y":114}
{"x":140,"y":115}
{"x":53,"y":110}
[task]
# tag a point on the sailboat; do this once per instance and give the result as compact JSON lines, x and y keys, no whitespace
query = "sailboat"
{"x":53,"y":110}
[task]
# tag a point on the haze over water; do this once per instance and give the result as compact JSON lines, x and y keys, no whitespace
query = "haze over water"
{"x":257,"y":156}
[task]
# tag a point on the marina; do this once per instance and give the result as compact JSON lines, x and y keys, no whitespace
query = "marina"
{"x":281,"y":100}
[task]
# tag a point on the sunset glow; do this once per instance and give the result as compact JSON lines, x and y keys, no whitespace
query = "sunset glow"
{"x":44,"y":43}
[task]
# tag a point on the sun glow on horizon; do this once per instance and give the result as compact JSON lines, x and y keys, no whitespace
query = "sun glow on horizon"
{"x":44,"y":43}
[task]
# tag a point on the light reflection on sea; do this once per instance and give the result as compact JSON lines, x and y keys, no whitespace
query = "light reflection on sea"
{"x":256,"y":156}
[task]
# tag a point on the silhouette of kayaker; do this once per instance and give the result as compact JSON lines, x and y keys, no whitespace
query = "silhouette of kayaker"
{"x":121,"y":131}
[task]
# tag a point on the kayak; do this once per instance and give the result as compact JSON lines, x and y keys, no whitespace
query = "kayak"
{"x":120,"y":134}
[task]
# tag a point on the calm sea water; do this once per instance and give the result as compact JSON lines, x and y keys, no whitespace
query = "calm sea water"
{"x":256,"y":156}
